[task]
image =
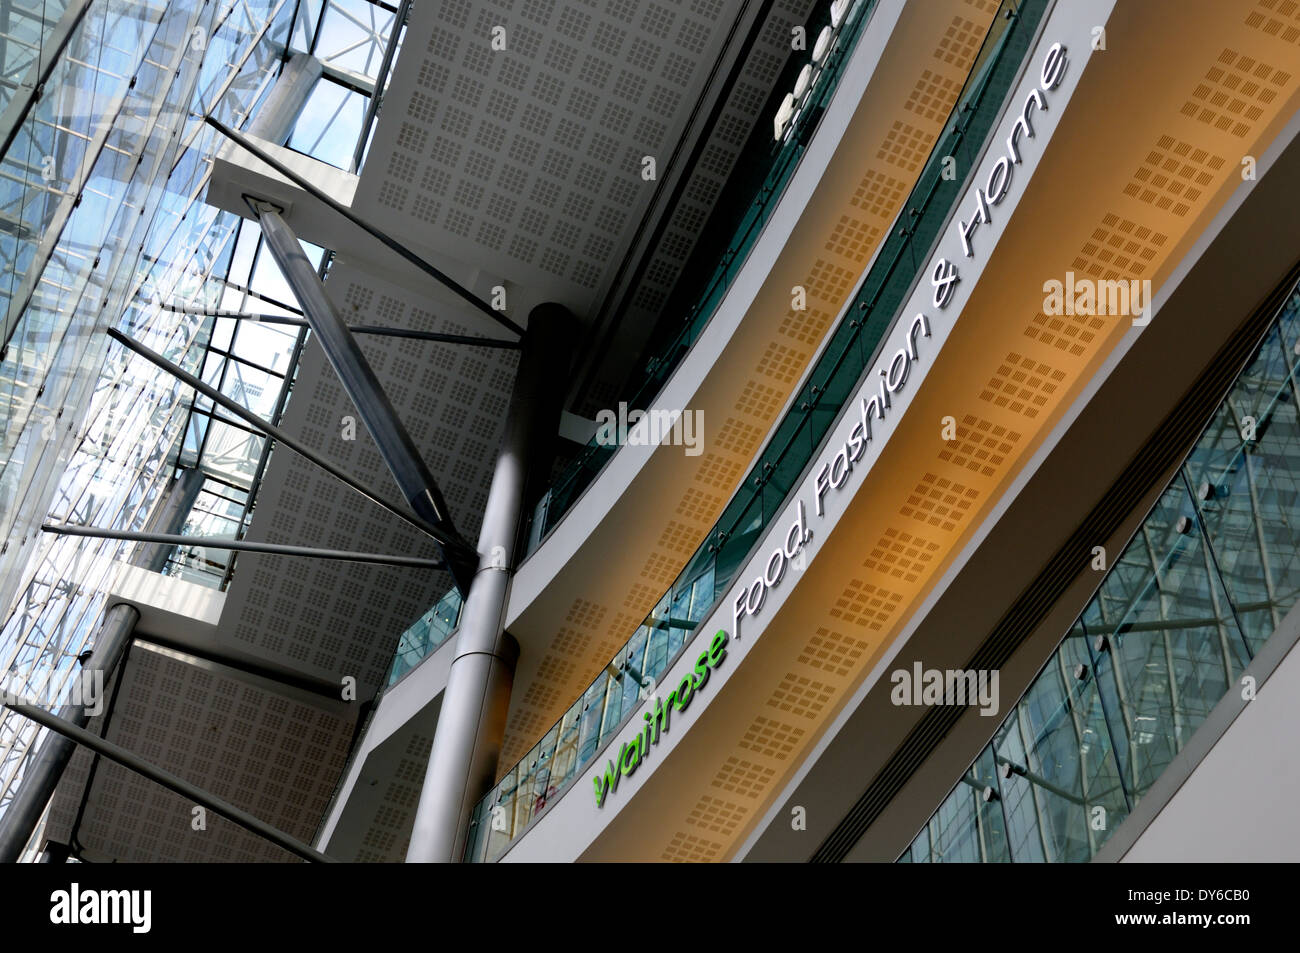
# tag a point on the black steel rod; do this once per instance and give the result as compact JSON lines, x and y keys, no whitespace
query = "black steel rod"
{"x":381,"y":78}
{"x":243,"y":545}
{"x":296,"y":322}
{"x":347,"y":213}
{"x":433,"y":336}
{"x":275,"y":433}
{"x":170,"y":781}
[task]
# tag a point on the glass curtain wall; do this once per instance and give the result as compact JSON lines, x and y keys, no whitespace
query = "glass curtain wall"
{"x":350,"y":41}
{"x":250,"y":362}
{"x":30,"y":33}
{"x":101,"y":188}
{"x":254,"y":361}
{"x":1204,"y":582}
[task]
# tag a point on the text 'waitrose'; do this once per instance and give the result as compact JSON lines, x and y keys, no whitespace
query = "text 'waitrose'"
{"x":632,"y":753}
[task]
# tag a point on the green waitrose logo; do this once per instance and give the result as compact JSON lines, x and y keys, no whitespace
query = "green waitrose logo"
{"x":632,"y":753}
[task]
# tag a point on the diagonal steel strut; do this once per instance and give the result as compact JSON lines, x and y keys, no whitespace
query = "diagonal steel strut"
{"x":296,"y":322}
{"x":448,"y":541}
{"x":133,"y":762}
{"x":362,"y":386}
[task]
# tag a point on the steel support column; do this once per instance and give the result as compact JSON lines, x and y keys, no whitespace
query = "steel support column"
{"x":170,"y":516}
{"x":362,"y":386}
{"x":43,"y":774}
{"x":279,"y":111}
{"x":472,"y":720}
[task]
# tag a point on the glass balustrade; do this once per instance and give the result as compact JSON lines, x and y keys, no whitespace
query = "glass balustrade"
{"x":604,"y":708}
{"x":769,"y":164}
{"x":426,"y":634}
{"x":1204,"y":582}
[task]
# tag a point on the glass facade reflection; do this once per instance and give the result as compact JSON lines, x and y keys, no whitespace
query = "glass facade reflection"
{"x":101,"y":185}
{"x":1204,"y":582}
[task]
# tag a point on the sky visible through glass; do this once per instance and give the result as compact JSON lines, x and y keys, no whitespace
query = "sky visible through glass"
{"x":248,"y":360}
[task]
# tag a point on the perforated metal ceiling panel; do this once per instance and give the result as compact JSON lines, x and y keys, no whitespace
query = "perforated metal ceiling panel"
{"x":380,"y":809}
{"x":526,"y":160}
{"x":683,"y":232}
{"x":274,"y":755}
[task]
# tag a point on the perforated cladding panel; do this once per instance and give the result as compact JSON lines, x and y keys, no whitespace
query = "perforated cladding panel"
{"x":388,"y":832}
{"x":938,"y":506}
{"x":527,"y":159}
{"x":1164,"y":182}
{"x":834,"y":261}
{"x":271,"y":755}
{"x":1235,"y":92}
{"x":1118,"y":249}
{"x":1174,"y":175}
{"x":1279,"y":18}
